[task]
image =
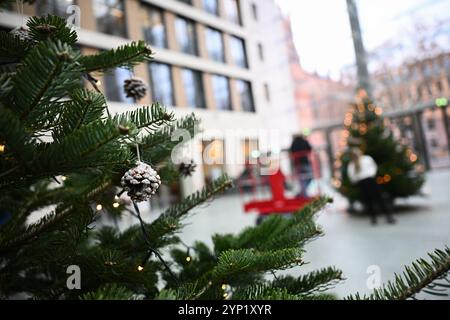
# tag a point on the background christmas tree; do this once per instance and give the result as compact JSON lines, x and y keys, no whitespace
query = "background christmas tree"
{"x":400,"y":173}
{"x":63,"y":155}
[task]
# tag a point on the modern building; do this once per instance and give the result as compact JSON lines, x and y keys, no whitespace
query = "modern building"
{"x":319,"y":102}
{"x":225,"y":60}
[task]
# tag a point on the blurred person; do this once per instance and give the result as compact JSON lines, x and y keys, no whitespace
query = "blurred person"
{"x":300,"y":151}
{"x":362,"y":170}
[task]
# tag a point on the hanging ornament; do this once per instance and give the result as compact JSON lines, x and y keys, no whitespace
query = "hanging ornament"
{"x":23,"y":34}
{"x":186,"y":169}
{"x":141,"y":182}
{"x":135,"y":88}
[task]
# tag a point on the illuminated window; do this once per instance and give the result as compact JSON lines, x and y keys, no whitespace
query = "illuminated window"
{"x":245,"y":92}
{"x":53,"y":7}
{"x":193,"y":88}
{"x":221,"y":89}
{"x":161,"y":83}
{"x":214,"y":43}
{"x":211,"y":6}
{"x":186,"y":35}
{"x":238,"y":52}
{"x":154,"y":27}
{"x":114,"y":80}
{"x":110,"y":16}
{"x":232,"y":11}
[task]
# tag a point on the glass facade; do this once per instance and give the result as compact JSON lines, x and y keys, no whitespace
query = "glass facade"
{"x":114,"y":80}
{"x":110,"y":16}
{"x":214,"y":43}
{"x":245,"y":92}
{"x":221,"y":89}
{"x":193,"y":88}
{"x":161,"y":83}
{"x":232,"y":11}
{"x":53,"y":7}
{"x":238,"y":52}
{"x":154,"y":27}
{"x":211,"y":6}
{"x":186,"y":36}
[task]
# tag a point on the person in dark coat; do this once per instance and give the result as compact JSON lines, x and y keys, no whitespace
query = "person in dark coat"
{"x":300,"y":150}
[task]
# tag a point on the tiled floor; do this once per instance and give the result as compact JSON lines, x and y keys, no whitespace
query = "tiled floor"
{"x":351,"y":243}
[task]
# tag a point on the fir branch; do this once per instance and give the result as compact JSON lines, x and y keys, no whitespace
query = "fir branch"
{"x":124,"y":56}
{"x":150,"y":118}
{"x":13,"y":49}
{"x":60,"y":214}
{"x":51,"y":28}
{"x":311,"y":283}
{"x":421,"y":276}
{"x":48,"y":72}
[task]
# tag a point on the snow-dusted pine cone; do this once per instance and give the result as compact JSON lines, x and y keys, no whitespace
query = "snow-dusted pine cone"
{"x":135,"y":88}
{"x":23,"y":34}
{"x":186,"y":169}
{"x":141,"y":182}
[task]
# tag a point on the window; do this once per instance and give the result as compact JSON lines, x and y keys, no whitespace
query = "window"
{"x":238,"y":52}
{"x":267,"y":92}
{"x":214,"y":44}
{"x":193,"y":88}
{"x":211,"y":6}
{"x":186,"y":35}
{"x":154,"y":28}
{"x":161,"y":83}
{"x":245,"y":92}
{"x":232,"y":11}
{"x":114,"y":80}
{"x":110,"y":15}
{"x":221,"y":89}
{"x":255,"y":11}
{"x":261,"y":52}
{"x":53,"y":7}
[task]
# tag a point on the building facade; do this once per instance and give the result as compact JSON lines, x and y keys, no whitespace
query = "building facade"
{"x":224,"y":60}
{"x":319,"y":102}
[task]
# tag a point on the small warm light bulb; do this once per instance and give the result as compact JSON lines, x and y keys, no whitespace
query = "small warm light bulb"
{"x":225,"y":295}
{"x":224,"y":286}
{"x":413,"y":158}
{"x":378,"y":111}
{"x":99,"y":207}
{"x":116,"y":197}
{"x":116,"y":205}
{"x":140,"y":268}
{"x":188,"y":259}
{"x":98,"y":82}
{"x":63,"y":178}
{"x":2,"y":148}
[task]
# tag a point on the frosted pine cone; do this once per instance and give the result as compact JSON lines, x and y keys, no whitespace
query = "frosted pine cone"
{"x":135,"y":88}
{"x":141,"y":182}
{"x":187,"y":169}
{"x":23,"y":35}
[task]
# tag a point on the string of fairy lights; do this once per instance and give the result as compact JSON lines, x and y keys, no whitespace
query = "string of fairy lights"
{"x":358,"y":121}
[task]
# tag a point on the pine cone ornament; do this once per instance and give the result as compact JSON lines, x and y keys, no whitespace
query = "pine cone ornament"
{"x":23,"y":34}
{"x":135,"y":88}
{"x":141,"y":182}
{"x":187,"y":169}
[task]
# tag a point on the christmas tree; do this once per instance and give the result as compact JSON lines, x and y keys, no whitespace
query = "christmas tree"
{"x":64,"y":156}
{"x":400,"y":173}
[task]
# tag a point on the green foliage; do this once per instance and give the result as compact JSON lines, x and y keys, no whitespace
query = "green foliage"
{"x":62,"y":154}
{"x":109,"y":292}
{"x":124,"y":56}
{"x":422,"y":276}
{"x":399,"y":173}
{"x":51,"y":28}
